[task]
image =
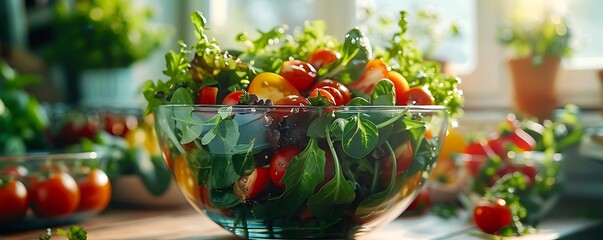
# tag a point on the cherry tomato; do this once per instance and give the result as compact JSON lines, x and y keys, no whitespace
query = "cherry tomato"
{"x":337,"y":96}
{"x":279,"y":163}
{"x":522,"y":140}
{"x":324,"y":93}
{"x":345,"y":91}
{"x":299,"y":73}
{"x":250,"y":186}
{"x":16,"y":171}
{"x":185,"y":179}
{"x":404,"y":156}
{"x":499,"y":146}
{"x":233,"y":98}
{"x":416,"y":96}
{"x":375,"y":71}
{"x":491,"y":217}
{"x":95,"y":191}
{"x":207,"y":95}
{"x":272,"y":86}
{"x":400,"y":84}
{"x":13,"y":200}
{"x":113,"y":125}
{"x":323,"y":57}
{"x":421,"y":204}
{"x":56,"y":196}
{"x":292,"y":100}
{"x":476,"y":148}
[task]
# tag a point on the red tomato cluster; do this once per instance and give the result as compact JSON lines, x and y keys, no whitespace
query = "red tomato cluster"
{"x":51,"y":194}
{"x":512,"y":139}
{"x":300,"y":78}
{"x":78,"y":125}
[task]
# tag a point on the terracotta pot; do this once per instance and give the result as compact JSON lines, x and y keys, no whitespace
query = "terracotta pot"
{"x":534,"y":86}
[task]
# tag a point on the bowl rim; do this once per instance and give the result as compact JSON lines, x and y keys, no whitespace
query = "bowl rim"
{"x":412,"y":108}
{"x":52,"y":156}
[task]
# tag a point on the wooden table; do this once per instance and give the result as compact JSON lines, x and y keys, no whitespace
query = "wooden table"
{"x":185,"y":223}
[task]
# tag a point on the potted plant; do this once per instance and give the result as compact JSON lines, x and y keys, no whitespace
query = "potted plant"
{"x":98,"y":41}
{"x":537,"y":48}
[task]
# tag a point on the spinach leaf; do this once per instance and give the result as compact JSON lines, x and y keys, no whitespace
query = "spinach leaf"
{"x":358,"y":101}
{"x":384,"y":93}
{"x":223,"y":173}
{"x":330,"y":201}
{"x":318,"y":126}
{"x":355,"y":53}
{"x":376,"y":203}
{"x":359,"y":137}
{"x":182,"y":96}
{"x":245,"y":163}
{"x":223,"y":198}
{"x":304,"y":173}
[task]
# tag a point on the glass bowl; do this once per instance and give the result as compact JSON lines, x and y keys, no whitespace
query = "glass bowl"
{"x":300,"y":172}
{"x":42,"y":190}
{"x":544,"y":180}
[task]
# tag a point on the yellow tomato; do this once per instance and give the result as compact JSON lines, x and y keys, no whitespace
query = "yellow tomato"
{"x":445,"y":169}
{"x":136,"y":137}
{"x":271,"y":86}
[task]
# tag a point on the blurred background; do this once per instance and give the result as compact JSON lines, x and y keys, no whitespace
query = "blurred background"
{"x":464,"y":34}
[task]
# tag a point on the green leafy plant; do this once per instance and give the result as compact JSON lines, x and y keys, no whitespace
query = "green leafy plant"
{"x":102,"y":34}
{"x":548,"y":36}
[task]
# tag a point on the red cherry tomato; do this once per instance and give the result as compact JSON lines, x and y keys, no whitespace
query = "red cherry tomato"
{"x":323,"y":57}
{"x":337,"y":96}
{"x":299,"y":73}
{"x":233,"y":98}
{"x":375,"y":71}
{"x":272,"y":86}
{"x":207,"y":95}
{"x":404,"y":156}
{"x":400,"y":84}
{"x":292,"y":100}
{"x":250,"y":186}
{"x":345,"y":91}
{"x":421,"y":204}
{"x":113,"y":125}
{"x":416,"y":96}
{"x":16,"y":171}
{"x":56,"y":196}
{"x":324,"y":93}
{"x":499,"y":146}
{"x":95,"y":191}
{"x":491,"y":217}
{"x":13,"y":200}
{"x":279,"y":163}
{"x":522,"y":140}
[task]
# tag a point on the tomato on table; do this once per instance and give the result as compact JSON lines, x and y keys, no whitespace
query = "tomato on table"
{"x":279,"y":163}
{"x":207,"y":95}
{"x":299,"y":73}
{"x":416,"y":96}
{"x":233,"y":98}
{"x":271,"y":86}
{"x":95,"y":191}
{"x":323,"y":57}
{"x":58,"y":195}
{"x":250,"y":186}
{"x":13,"y":200}
{"x":491,"y":217}
{"x":343,"y":90}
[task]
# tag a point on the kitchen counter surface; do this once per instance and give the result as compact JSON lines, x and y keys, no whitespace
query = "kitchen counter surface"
{"x":567,"y":221}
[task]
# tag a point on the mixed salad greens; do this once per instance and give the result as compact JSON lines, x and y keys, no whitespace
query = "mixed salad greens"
{"x":311,"y":137}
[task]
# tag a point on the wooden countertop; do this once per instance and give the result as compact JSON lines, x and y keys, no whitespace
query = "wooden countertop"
{"x":185,"y":223}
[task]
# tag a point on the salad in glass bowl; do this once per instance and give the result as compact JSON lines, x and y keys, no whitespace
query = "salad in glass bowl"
{"x":299,"y":136}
